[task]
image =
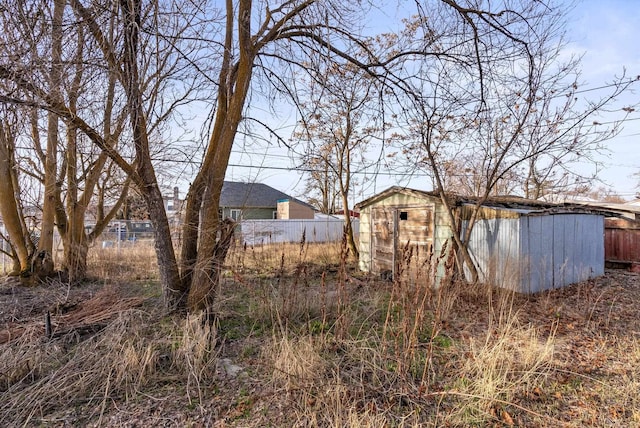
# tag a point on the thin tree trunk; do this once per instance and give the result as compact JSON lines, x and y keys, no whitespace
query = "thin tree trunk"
{"x":76,"y":246}
{"x":51,"y":160}
{"x":8,"y":202}
{"x":148,"y":185}
{"x":348,"y":226}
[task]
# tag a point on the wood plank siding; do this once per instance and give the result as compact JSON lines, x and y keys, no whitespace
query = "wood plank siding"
{"x":400,"y":233}
{"x":622,"y":243}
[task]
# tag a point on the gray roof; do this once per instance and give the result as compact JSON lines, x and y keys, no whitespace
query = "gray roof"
{"x":515,"y":204}
{"x":252,"y":195}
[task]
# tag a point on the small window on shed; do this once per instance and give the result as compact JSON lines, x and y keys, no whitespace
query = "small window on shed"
{"x":404,"y":215}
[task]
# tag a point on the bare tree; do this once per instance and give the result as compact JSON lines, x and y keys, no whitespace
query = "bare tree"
{"x":341,"y":120}
{"x":99,"y":71}
{"x":465,"y":76}
{"x":320,"y":182}
{"x":67,"y":166}
{"x":10,"y":208}
{"x":486,"y":106}
{"x":257,"y":40}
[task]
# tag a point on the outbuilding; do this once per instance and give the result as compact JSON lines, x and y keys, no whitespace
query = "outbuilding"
{"x":515,"y":243}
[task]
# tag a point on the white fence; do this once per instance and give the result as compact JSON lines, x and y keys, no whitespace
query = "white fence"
{"x":255,"y":232}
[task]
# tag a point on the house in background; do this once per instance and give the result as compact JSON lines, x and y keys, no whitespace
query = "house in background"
{"x":288,"y":209}
{"x":254,"y":201}
{"x":247,"y":201}
{"x":523,"y":245}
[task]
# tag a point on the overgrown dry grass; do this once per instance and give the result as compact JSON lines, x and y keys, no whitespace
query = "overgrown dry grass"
{"x":128,"y":262}
{"x":304,"y":339}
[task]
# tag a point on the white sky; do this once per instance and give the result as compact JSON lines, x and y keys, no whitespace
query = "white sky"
{"x":606,"y":32}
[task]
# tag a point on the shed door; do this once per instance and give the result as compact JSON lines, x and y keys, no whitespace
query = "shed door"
{"x":383,"y":240}
{"x":400,"y":236}
{"x":414,"y":241}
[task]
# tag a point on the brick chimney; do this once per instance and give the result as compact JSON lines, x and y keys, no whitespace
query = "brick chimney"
{"x":176,"y":199}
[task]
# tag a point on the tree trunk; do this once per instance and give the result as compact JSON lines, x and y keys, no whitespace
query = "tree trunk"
{"x":174,"y":295}
{"x":202,"y":293}
{"x":51,"y":160}
{"x":348,"y":226}
{"x":189,"y":250}
{"x":76,"y":246}
{"x":461,"y":247}
{"x":212,"y":244}
{"x":8,"y":203}
{"x":145,"y":174}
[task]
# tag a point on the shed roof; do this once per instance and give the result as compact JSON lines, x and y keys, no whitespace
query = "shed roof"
{"x":513,"y":205}
{"x":626,"y":208}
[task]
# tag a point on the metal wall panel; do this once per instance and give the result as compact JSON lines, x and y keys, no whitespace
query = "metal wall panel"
{"x":538,"y":252}
{"x":494,"y":245}
{"x":536,"y":236}
{"x":584,"y":251}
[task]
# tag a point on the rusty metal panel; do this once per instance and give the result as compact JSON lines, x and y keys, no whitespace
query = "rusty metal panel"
{"x":622,"y":243}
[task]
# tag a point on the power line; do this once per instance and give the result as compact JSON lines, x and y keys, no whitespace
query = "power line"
{"x":609,"y":85}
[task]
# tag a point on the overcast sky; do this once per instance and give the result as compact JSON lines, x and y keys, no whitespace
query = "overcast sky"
{"x":607,"y":33}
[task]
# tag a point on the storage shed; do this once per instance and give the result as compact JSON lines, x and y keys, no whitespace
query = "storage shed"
{"x":518,"y":244}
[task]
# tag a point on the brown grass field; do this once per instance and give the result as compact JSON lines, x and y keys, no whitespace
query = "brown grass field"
{"x":304,"y":339}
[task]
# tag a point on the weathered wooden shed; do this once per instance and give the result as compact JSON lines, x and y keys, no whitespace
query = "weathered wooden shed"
{"x":517,"y":244}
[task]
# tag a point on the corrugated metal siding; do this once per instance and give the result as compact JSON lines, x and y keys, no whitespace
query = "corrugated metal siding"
{"x":559,"y":250}
{"x":536,"y":237}
{"x":578,"y":248}
{"x":494,"y":244}
{"x":541,"y":252}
